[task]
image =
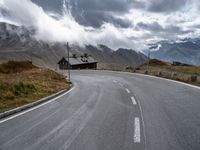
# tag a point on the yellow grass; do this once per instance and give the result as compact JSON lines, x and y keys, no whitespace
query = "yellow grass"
{"x":27,"y":83}
{"x":166,"y":70}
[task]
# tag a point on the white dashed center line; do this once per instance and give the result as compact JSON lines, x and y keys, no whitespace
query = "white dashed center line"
{"x":133,"y":101}
{"x":128,"y":91}
{"x":137,"y":136}
{"x":114,"y":81}
{"x":121,"y":84}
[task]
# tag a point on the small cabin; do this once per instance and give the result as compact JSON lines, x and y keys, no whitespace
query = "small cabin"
{"x":78,"y":62}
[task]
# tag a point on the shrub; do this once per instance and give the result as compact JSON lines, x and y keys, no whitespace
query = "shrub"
{"x":16,"y":66}
{"x":8,"y":95}
{"x":21,"y":89}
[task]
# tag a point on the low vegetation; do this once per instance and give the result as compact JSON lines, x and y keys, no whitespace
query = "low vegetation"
{"x":22,"y":83}
{"x":16,"y":66}
{"x":155,"y":62}
{"x":188,"y":74}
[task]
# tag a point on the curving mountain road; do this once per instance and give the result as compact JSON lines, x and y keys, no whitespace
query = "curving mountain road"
{"x":110,"y":111}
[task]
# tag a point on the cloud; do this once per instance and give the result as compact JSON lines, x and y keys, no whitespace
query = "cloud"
{"x":94,"y":12}
{"x":64,"y":29}
{"x":116,"y":23}
{"x":156,"y":27}
{"x":166,"y":5}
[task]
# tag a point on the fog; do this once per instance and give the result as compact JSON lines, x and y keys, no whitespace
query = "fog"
{"x":51,"y":27}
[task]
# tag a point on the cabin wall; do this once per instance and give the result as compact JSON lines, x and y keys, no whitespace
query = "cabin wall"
{"x":64,"y":66}
{"x":85,"y":66}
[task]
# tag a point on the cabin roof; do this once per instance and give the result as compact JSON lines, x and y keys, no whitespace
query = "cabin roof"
{"x":79,"y":60}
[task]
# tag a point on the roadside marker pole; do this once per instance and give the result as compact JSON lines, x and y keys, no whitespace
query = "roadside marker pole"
{"x":147,"y":67}
{"x":68,"y":65}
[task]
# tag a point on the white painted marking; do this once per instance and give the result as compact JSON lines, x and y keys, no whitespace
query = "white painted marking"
{"x":137,"y":136}
{"x":34,"y":108}
{"x":133,"y":100}
{"x":128,"y":91}
{"x":114,"y":81}
{"x":143,"y":125}
{"x":121,"y":84}
{"x":179,"y":82}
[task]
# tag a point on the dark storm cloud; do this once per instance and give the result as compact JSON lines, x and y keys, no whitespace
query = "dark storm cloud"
{"x":115,"y":6}
{"x":95,"y":12}
{"x":197,"y":26}
{"x":107,"y":5}
{"x":50,"y":5}
{"x":123,"y":23}
{"x":156,"y":28}
{"x":151,"y":27}
{"x":166,"y":5}
{"x":176,"y":30}
{"x":96,"y":19}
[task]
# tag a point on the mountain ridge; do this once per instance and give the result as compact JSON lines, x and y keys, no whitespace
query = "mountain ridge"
{"x":18,"y":43}
{"x":186,"y":51}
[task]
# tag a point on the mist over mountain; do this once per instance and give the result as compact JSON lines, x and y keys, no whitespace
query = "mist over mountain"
{"x":17,"y":43}
{"x":50,"y":26}
{"x":185,"y":51}
{"x":44,"y":26}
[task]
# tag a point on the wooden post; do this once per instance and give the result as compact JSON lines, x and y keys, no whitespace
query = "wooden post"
{"x":147,"y":67}
{"x":68,"y":65}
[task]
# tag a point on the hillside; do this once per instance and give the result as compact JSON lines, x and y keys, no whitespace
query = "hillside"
{"x":110,"y":59}
{"x":155,"y":62}
{"x":22,"y":83}
{"x":166,"y":70}
{"x":17,"y":43}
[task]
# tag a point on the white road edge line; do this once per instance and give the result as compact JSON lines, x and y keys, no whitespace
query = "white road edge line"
{"x":34,"y":108}
{"x":179,"y":82}
{"x":137,"y":136}
{"x":133,"y":100}
{"x":128,"y":91}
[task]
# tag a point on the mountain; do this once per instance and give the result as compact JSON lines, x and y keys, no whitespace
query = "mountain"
{"x":115,"y":59}
{"x":18,"y":43}
{"x":186,"y":51}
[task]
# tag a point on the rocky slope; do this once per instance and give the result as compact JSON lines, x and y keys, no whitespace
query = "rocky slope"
{"x":186,"y":51}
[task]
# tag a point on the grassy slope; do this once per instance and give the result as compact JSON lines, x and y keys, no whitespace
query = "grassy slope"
{"x":182,"y":73}
{"x":190,"y":70}
{"x":22,"y":83}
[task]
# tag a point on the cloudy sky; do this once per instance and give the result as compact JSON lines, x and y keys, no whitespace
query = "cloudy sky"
{"x":117,"y":23}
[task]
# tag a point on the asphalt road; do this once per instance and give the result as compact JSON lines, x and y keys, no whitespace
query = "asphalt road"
{"x":110,"y":111}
